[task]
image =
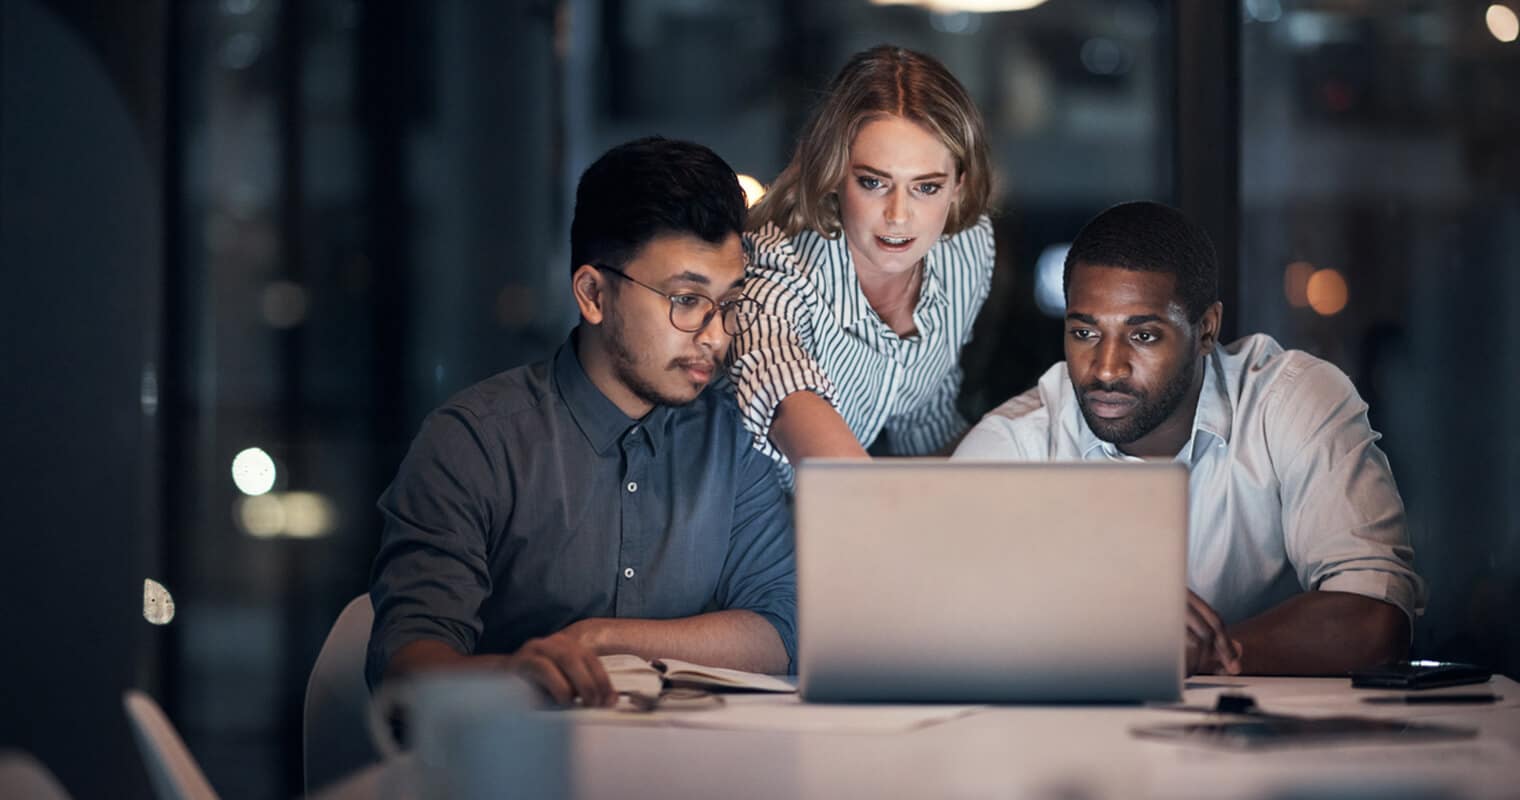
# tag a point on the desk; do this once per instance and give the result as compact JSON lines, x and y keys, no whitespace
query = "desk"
{"x":1038,"y":752}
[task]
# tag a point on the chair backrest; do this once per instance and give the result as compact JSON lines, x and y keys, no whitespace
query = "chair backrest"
{"x":336,"y":721}
{"x":171,"y":769}
{"x":23,"y":777}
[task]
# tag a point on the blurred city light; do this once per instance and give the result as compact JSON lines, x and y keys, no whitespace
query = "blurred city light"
{"x":253,"y":472}
{"x":262,"y":516}
{"x":753,"y":189}
{"x":147,"y":392}
{"x":1264,"y":10}
{"x":1049,"y":269}
{"x":1296,"y":283}
{"x":308,"y":514}
{"x":297,"y":515}
{"x":284,"y":304}
{"x":241,"y":50}
{"x":158,"y":604}
{"x":1327,"y":292}
{"x":961,"y":22}
{"x":1503,"y":23}
{"x":1103,"y":56}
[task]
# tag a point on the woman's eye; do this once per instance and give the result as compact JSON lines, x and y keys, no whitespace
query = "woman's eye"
{"x":928,"y":189}
{"x":868,"y":183}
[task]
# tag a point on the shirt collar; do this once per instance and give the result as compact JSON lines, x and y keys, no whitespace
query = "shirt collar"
{"x":599,"y":419}
{"x":1212,"y":418}
{"x":851,"y":305}
{"x":1215,"y":414}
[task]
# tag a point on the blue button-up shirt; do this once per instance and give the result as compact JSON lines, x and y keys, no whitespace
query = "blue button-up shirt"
{"x":530,"y":501}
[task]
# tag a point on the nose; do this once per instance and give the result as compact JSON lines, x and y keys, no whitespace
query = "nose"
{"x":896,"y":212}
{"x":712,"y":337}
{"x":1111,"y":360}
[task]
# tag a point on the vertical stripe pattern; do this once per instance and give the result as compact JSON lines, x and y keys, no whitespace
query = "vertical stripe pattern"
{"x":817,"y":332}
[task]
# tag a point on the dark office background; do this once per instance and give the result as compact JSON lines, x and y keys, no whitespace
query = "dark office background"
{"x":298,"y":226}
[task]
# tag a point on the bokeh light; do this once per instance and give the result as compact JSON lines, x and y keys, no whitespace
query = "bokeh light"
{"x":284,"y":304}
{"x":1327,"y":292}
{"x":1296,"y":283}
{"x":1503,"y":23}
{"x":253,"y":472}
{"x":298,"y":515}
{"x":308,"y":514}
{"x":1049,"y":272}
{"x":158,"y":604}
{"x":753,"y":189}
{"x":262,"y":516}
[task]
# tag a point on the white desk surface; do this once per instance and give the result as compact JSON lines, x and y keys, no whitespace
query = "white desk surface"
{"x":1034,"y":752}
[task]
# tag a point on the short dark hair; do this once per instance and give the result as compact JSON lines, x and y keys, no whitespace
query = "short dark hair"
{"x":1151,"y":237}
{"x":648,"y":188}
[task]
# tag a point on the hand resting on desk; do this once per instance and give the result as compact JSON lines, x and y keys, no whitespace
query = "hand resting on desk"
{"x":559,"y":664}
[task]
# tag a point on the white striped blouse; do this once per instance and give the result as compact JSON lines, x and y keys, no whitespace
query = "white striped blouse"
{"x":817,"y":332}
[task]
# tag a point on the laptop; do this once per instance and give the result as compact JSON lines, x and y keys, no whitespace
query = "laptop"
{"x":928,"y":580}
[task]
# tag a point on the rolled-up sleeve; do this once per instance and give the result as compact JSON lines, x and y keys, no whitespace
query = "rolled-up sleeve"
{"x":430,"y":574}
{"x":1344,"y":525}
{"x":773,"y":357}
{"x":759,"y":572}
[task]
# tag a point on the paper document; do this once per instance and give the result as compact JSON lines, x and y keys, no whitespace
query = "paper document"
{"x":631,"y":674}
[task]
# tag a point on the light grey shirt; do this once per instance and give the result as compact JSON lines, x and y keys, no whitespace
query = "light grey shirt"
{"x":1288,"y":489}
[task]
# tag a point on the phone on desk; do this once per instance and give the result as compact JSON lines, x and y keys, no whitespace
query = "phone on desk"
{"x":1418,"y":674}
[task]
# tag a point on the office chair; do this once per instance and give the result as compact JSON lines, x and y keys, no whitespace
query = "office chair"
{"x":335,"y":725}
{"x":23,"y":777}
{"x":171,"y":768}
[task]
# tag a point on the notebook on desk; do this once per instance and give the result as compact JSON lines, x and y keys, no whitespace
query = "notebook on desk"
{"x":974,"y":581}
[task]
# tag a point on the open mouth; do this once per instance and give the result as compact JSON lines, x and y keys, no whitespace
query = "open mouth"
{"x":895,"y":242}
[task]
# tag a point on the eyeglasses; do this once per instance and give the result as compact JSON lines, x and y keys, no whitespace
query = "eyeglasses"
{"x":691,"y":312}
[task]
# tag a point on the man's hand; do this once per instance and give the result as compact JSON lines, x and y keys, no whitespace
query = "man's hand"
{"x":1209,"y":647}
{"x":565,"y":668}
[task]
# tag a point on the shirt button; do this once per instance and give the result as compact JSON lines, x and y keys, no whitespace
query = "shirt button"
{"x":633,"y":486}
{"x":628,"y":573}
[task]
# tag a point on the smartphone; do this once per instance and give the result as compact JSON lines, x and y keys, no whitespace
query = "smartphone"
{"x":1418,"y":674}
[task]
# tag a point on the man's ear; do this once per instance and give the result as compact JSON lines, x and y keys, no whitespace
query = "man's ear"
{"x":1208,"y":327}
{"x":589,"y":286}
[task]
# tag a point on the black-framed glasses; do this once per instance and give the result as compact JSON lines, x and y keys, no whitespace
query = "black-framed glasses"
{"x":691,"y":312}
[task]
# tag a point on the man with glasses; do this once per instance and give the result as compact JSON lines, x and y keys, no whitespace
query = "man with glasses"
{"x":601,"y":501}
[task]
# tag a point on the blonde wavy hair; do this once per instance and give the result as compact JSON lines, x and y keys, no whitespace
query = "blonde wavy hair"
{"x":880,"y":82}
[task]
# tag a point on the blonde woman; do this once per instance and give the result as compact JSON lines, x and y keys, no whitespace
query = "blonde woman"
{"x":871,"y":255}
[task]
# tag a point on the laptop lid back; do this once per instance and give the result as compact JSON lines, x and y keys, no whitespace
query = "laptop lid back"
{"x":974,"y":581}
